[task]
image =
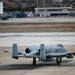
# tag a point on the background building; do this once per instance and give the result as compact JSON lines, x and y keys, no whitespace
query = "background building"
{"x":23,"y":4}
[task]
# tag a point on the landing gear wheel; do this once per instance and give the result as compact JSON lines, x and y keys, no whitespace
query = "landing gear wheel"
{"x":34,"y":60}
{"x":58,"y":60}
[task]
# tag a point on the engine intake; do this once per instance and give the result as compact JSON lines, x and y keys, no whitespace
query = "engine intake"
{"x":27,"y":50}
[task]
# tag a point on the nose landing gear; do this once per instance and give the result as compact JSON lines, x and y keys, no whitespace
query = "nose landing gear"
{"x":58,"y":60}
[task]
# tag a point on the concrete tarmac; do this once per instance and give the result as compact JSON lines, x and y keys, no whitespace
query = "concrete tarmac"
{"x":23,"y":66}
{"x":36,"y":38}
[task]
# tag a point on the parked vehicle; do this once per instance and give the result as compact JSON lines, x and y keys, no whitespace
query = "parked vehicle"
{"x":4,"y":17}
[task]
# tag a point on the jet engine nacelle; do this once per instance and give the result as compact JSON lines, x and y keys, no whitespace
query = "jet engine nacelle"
{"x":27,"y":50}
{"x":31,"y":49}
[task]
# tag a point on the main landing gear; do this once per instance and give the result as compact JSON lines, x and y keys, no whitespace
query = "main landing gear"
{"x":58,"y":60}
{"x":34,"y":60}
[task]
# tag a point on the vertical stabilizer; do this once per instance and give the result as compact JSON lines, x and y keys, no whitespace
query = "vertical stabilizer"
{"x":42,"y":52}
{"x":15,"y":51}
{"x":1,"y":7}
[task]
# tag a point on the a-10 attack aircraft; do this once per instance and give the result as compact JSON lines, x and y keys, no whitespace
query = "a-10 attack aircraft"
{"x":43,"y":53}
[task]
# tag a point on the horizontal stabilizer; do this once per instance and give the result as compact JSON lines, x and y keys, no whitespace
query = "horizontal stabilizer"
{"x":7,"y":51}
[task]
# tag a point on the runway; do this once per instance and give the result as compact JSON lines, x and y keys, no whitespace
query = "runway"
{"x":37,"y":38}
{"x":40,"y":20}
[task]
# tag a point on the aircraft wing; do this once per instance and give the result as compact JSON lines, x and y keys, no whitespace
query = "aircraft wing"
{"x":19,"y":52}
{"x":70,"y":53}
{"x":56,"y":54}
{"x":60,"y":54}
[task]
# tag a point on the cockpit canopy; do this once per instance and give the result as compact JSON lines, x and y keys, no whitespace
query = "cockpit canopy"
{"x":60,"y":45}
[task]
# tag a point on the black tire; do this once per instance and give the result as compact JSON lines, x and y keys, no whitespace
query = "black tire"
{"x":34,"y":60}
{"x":61,"y":59}
{"x":58,"y":60}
